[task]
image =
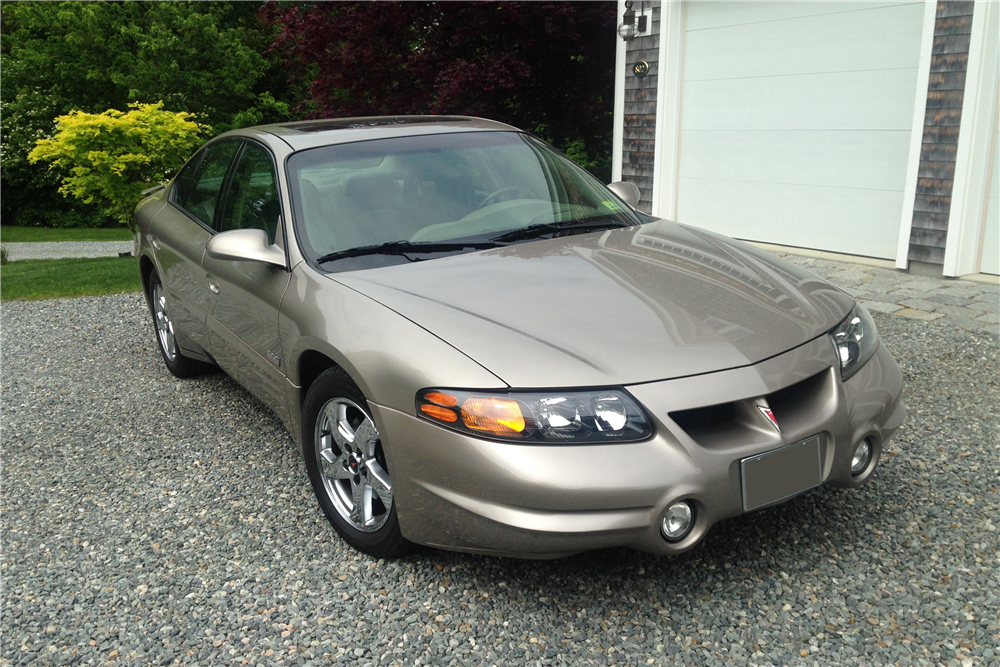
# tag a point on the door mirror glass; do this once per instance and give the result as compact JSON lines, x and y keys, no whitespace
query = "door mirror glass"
{"x":629,"y":192}
{"x":247,"y":245}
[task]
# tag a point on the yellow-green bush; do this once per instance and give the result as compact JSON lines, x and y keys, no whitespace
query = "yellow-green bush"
{"x":112,"y":157}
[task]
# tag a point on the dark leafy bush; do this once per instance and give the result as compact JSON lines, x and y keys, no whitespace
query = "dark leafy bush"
{"x":58,"y":213}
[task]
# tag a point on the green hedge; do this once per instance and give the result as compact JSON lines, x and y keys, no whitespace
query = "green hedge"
{"x":60,"y":215}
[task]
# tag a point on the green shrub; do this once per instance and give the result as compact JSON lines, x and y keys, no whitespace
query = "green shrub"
{"x":599,"y":165}
{"x":112,"y":156}
{"x":60,"y":215}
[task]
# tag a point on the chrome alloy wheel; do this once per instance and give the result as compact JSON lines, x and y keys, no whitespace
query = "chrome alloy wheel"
{"x":164,"y":327}
{"x":350,"y":458}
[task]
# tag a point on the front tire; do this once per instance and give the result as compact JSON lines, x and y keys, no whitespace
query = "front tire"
{"x":163,"y":325}
{"x":347,"y":467}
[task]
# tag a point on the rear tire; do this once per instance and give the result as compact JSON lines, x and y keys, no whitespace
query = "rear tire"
{"x":347,"y":467}
{"x":163,"y":326}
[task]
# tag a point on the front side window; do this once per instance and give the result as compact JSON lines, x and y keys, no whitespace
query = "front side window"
{"x":477,"y":187}
{"x":253,"y":201}
{"x":198,"y":186}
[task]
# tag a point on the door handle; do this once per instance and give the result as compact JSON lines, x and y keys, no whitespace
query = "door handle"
{"x":213,"y":284}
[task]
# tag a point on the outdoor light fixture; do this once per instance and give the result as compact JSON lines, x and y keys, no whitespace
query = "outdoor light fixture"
{"x":629,"y":29}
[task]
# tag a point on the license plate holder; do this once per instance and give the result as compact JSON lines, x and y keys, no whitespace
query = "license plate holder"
{"x":781,"y":473}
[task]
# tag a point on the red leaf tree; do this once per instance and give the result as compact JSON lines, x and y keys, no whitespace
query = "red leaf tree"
{"x":547,"y":67}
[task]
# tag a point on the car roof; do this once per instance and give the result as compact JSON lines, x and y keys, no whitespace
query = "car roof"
{"x":312,"y":133}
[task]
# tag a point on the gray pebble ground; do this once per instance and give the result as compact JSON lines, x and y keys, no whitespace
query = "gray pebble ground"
{"x":148,"y":520}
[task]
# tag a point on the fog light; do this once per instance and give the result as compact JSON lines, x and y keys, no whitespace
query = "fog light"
{"x":677,"y":521}
{"x":862,"y":455}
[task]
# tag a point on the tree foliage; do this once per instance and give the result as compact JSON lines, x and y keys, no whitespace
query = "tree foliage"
{"x":112,"y":156}
{"x":547,"y":67}
{"x":207,"y":58}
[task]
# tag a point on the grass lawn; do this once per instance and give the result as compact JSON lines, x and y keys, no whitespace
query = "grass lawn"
{"x":45,"y":234}
{"x":34,"y":279}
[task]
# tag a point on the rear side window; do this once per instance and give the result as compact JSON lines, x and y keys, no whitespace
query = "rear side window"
{"x":198,"y":186}
{"x":253,"y":196}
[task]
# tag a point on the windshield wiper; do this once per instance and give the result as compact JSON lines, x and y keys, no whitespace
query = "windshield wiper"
{"x":543,"y":228}
{"x":405,"y":248}
{"x":410,"y":247}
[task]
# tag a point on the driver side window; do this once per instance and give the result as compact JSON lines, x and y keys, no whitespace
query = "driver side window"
{"x":253,"y":194}
{"x":198,"y":186}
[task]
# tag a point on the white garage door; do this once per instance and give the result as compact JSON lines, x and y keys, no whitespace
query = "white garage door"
{"x":990,"y":260}
{"x":796,"y":120}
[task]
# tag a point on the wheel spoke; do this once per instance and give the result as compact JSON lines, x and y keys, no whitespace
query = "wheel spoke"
{"x":344,"y":429}
{"x":346,"y":432}
{"x":365,"y":438}
{"x":361,"y":497}
{"x":332,"y":421}
{"x":380,"y":483}
{"x":367,"y":505}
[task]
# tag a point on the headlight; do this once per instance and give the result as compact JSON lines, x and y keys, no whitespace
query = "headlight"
{"x":855,"y":340}
{"x":555,"y":417}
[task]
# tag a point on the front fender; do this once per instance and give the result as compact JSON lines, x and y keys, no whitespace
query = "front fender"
{"x":388,"y":356}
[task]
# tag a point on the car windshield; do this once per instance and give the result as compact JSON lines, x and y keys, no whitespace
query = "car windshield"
{"x":449,"y":192}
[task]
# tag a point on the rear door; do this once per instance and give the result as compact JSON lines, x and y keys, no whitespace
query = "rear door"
{"x":244,"y":295}
{"x":180,"y":232}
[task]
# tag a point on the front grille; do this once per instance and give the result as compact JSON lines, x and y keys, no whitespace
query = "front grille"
{"x":740,"y":422}
{"x":800,"y":397}
{"x":705,"y":419}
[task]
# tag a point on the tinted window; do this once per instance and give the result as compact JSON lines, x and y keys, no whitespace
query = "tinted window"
{"x":253,"y":196}
{"x":198,"y":186}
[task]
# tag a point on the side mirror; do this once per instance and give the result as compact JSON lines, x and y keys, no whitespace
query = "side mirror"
{"x":245,"y":244}
{"x":627,"y":191}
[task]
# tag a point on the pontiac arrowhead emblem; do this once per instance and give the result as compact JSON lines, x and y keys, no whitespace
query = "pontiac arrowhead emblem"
{"x":766,"y":411}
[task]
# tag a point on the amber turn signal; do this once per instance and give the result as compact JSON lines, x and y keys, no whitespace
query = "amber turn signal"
{"x":499,"y":416}
{"x":437,"y":412}
{"x":441,"y":398}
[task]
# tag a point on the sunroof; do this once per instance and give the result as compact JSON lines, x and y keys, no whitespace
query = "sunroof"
{"x":354,"y":123}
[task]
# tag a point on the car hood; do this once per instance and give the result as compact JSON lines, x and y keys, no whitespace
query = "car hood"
{"x":653,"y":302}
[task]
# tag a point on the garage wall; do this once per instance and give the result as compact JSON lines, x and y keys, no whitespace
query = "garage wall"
{"x":942,"y":123}
{"x":639,"y":113}
{"x":796,"y":121}
{"x":973,"y":232}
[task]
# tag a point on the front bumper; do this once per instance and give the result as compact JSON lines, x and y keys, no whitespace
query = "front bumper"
{"x":461,"y":493}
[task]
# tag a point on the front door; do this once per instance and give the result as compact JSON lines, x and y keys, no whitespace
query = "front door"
{"x":245,"y":296}
{"x":180,"y":232}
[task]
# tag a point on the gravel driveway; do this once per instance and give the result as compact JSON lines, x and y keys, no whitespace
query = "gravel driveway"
{"x":60,"y":249}
{"x":148,"y":520}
